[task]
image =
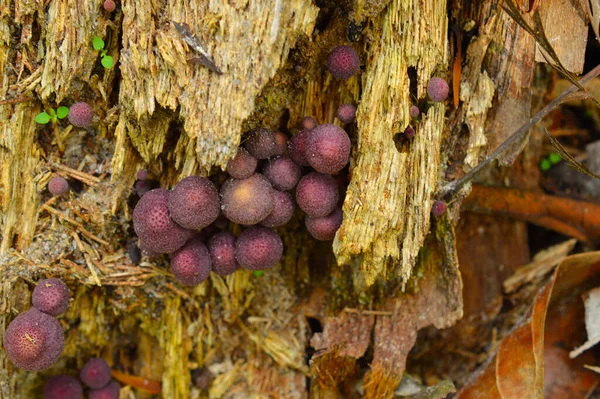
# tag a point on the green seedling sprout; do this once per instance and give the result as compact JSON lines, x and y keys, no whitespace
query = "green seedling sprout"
{"x":554,"y":158}
{"x":545,"y":165}
{"x":258,"y":273}
{"x":98,"y":44}
{"x":44,"y":117}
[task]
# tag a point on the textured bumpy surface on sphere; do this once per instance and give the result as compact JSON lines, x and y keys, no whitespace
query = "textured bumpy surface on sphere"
{"x":261,"y":143}
{"x":222,"y":252}
{"x":258,"y":248}
{"x":317,"y":194}
{"x":63,"y":387}
{"x":247,"y":201}
{"x":153,"y":225}
{"x":194,"y":203}
{"x":343,"y":62}
{"x":346,"y":113}
{"x":438,"y":208}
{"x":58,"y":185}
{"x":51,"y":296}
{"x":95,"y":373}
{"x":192,"y":263}
{"x":324,"y":228}
{"x":297,"y":147}
{"x":328,"y":149}
{"x":282,"y":172}
{"x":111,"y":391}
{"x":282,"y":142}
{"x":282,"y":212}
{"x":34,"y":340}
{"x":437,"y":88}
{"x":243,"y":165}
{"x":81,"y":114}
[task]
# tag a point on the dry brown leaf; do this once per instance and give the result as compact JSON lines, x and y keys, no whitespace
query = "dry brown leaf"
{"x":516,"y":369}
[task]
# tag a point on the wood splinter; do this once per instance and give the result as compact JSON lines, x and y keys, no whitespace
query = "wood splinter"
{"x":203,"y":59}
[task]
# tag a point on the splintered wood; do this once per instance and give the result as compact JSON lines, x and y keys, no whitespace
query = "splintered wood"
{"x":388,"y":202}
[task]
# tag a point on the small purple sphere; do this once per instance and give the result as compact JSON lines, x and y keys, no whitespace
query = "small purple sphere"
{"x":317,"y":194}
{"x":324,"y":228}
{"x":258,"y":248}
{"x":438,"y":89}
{"x":409,"y":132}
{"x":153,"y":224}
{"x":247,"y":201}
{"x":343,"y":62}
{"x":95,"y":373}
{"x":51,"y":296}
{"x":282,"y":172}
{"x":221,"y":247}
{"x":81,"y":114}
{"x":111,"y":391}
{"x":438,"y":208}
{"x":194,"y":203}
{"x":242,"y":166}
{"x":142,"y":174}
{"x":308,"y":122}
{"x":297,"y":147}
{"x":282,"y":211}
{"x":192,"y":263}
{"x":346,"y":113}
{"x":328,"y":148}
{"x":58,"y":185}
{"x":261,"y":143}
{"x":63,"y":387}
{"x":414,"y":111}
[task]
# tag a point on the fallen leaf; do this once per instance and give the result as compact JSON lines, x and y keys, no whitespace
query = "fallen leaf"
{"x":591,"y":300}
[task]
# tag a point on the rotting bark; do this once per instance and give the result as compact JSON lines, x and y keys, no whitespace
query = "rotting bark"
{"x":176,"y":118}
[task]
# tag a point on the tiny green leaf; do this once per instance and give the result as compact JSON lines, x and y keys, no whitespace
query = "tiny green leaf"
{"x":545,"y":165}
{"x":52,"y":113}
{"x":97,"y":43}
{"x":554,"y":158}
{"x":62,"y":112}
{"x":258,"y":273}
{"x":107,"y":62}
{"x":42,"y":118}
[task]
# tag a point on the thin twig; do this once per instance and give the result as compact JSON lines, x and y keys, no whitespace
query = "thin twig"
{"x":450,"y":189}
{"x":82,"y":229}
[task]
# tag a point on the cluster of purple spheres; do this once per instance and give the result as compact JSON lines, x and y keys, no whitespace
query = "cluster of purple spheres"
{"x":34,"y":340}
{"x":95,"y":374}
{"x":187,"y":222}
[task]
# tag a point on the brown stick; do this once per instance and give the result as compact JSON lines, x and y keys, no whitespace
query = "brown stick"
{"x":452,"y":188}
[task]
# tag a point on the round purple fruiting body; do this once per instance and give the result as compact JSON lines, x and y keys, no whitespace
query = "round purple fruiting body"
{"x":282,"y":212}
{"x":317,"y":194}
{"x":328,"y":149}
{"x":109,"y":5}
{"x":192,"y":263}
{"x":409,"y":132}
{"x":346,"y":113}
{"x":142,"y":174}
{"x":95,"y":373}
{"x":34,"y":340}
{"x":221,"y":247}
{"x":308,"y":122}
{"x":438,"y":89}
{"x":243,"y":165}
{"x":153,"y":225}
{"x":261,"y":143}
{"x":247,"y":201}
{"x":414,"y":111}
{"x":324,"y":228}
{"x":194,"y":203}
{"x":81,"y":114}
{"x":282,"y":172}
{"x":111,"y":391}
{"x":51,"y":296}
{"x":58,"y":185}
{"x":258,"y":248}
{"x":63,"y":387}
{"x":438,"y":208}
{"x":343,"y":62}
